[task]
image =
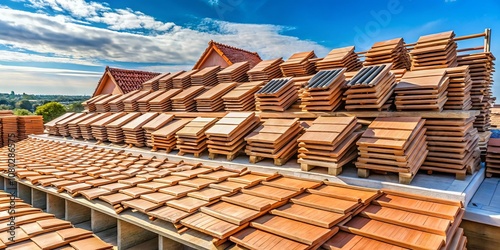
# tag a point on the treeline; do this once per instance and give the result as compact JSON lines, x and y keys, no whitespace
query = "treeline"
{"x":28,"y":103}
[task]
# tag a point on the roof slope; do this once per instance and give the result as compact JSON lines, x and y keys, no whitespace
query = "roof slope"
{"x":126,"y":79}
{"x":230,"y":54}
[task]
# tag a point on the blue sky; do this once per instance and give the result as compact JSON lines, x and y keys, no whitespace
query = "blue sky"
{"x":63,"y":46}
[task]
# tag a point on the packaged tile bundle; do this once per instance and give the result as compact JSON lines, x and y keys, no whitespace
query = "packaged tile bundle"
{"x":183,"y":81}
{"x":164,"y":138}
{"x":393,"y":144}
{"x":134,"y":132}
{"x":227,"y":136}
{"x":236,"y":72}
{"x":275,"y":139}
{"x":370,"y":88}
{"x":114,"y":129}
{"x":493,"y":157}
{"x":434,"y":51}
{"x":453,"y":146}
{"x":459,"y":88}
{"x":242,"y":97}
{"x":143,"y":103}
{"x":131,"y":103}
{"x":153,"y":84}
{"x":158,"y":122}
{"x":266,"y":70}
{"x":277,"y":95}
{"x":340,"y":58}
{"x":99,"y":126}
{"x":117,"y":105}
{"x":103,"y":105}
{"x":51,"y":126}
{"x":323,"y":92}
{"x":29,"y":125}
{"x":211,"y":100}
{"x":167,"y":82}
{"x":205,"y":77}
{"x":191,"y":138}
{"x":74,"y":127}
{"x":163,"y":102}
{"x":390,"y":51}
{"x":299,"y":64}
{"x":330,"y":142}
{"x":422,"y":90}
{"x":63,"y":125}
{"x":90,"y":103}
{"x":185,"y":100}
{"x":86,"y":125}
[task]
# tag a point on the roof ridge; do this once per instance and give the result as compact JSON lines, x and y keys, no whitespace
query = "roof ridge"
{"x":236,"y":48}
{"x":131,"y":70}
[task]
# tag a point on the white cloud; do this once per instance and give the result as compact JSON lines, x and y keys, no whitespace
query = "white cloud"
{"x":127,"y":19}
{"x":449,"y":1}
{"x":77,"y":8}
{"x":14,"y":56}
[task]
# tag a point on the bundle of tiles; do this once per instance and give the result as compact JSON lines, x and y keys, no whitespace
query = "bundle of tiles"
{"x":134,"y":132}
{"x":86,"y":126}
{"x":183,"y":81}
{"x":51,"y":126}
{"x":114,"y":130}
{"x":481,"y":68}
{"x":398,"y":73}
{"x":422,"y":90}
{"x":434,"y":51}
{"x":99,"y":127}
{"x":277,"y":95}
{"x":117,"y":105}
{"x":275,"y":139}
{"x":370,"y":88}
{"x":185,"y":100}
{"x":90,"y":103}
{"x":205,"y":77}
{"x":393,"y":144}
{"x":330,"y":142}
{"x":192,"y":139}
{"x":103,"y":105}
{"x":131,"y":104}
{"x":391,"y":51}
{"x":299,"y":64}
{"x":153,"y":84}
{"x":143,"y":103}
{"x":237,"y":72}
{"x":340,"y":58}
{"x":453,"y":146}
{"x":28,"y":125}
{"x":266,"y":70}
{"x":227,"y":136}
{"x":242,"y":97}
{"x":158,"y":122}
{"x":211,"y":100}
{"x":74,"y":127}
{"x":164,"y":138}
{"x":323,"y":92}
{"x":9,"y":129}
{"x":167,"y":82}
{"x":63,"y":125}
{"x":459,"y":88}
{"x":163,"y":102}
{"x":493,"y":157}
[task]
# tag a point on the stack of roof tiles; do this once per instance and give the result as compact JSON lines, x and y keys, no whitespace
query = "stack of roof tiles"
{"x":237,"y":72}
{"x":158,"y":122}
{"x":90,"y":103}
{"x":370,"y":88}
{"x":99,"y":127}
{"x":323,"y":92}
{"x":191,"y":138}
{"x":299,"y":64}
{"x":163,"y":102}
{"x":391,"y":51}
{"x":74,"y":128}
{"x":114,"y":129}
{"x":51,"y":126}
{"x":493,"y":157}
{"x":422,"y":90}
{"x":167,"y":82}
{"x":459,"y":88}
{"x":103,"y":104}
{"x":205,"y":77}
{"x":242,"y":97}
{"x":63,"y":125}
{"x":117,"y":105}
{"x":183,"y":80}
{"x":277,"y":95}
{"x":164,"y":138}
{"x":481,"y":68}
{"x":133,"y":131}
{"x":86,"y":126}
{"x":211,"y":100}
{"x":453,"y":146}
{"x":9,"y":128}
{"x":275,"y":139}
{"x":266,"y":70}
{"x":27,"y":125}
{"x":434,"y":51}
{"x":227,"y":136}
{"x":340,"y":58}
{"x":330,"y":142}
{"x":143,"y":103}
{"x":129,"y":80}
{"x":393,"y":144}
{"x":185,"y":100}
{"x":153,"y":84}
{"x":131,"y":103}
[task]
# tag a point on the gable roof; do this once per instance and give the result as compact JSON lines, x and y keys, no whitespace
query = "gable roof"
{"x":127,"y":80}
{"x":229,"y":53}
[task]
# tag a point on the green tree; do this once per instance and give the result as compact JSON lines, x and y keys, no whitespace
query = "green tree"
{"x":22,"y":112}
{"x":75,"y":107}
{"x":24,"y":104}
{"x":50,"y":110}
{"x":4,"y":107}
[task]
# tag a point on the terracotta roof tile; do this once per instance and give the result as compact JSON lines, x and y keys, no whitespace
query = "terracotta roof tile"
{"x":130,"y":80}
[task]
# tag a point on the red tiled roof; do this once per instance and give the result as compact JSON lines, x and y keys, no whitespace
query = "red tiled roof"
{"x":128,"y":80}
{"x":233,"y":54}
